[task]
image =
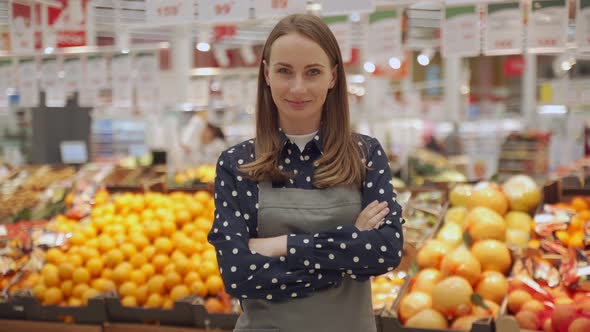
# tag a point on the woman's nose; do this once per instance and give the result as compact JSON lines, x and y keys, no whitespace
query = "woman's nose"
{"x":298,"y":85}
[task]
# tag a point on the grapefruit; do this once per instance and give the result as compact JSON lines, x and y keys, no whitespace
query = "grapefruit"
{"x":426,"y":279}
{"x":461,"y":262}
{"x":484,"y":223}
{"x":493,"y":286}
{"x":460,"y":194}
{"x":464,"y":323}
{"x":457,"y":215}
{"x":522,"y":193}
{"x":488,"y":195}
{"x":450,"y":234}
{"x":413,"y":303}
{"x":493,"y":255}
{"x":452,"y":297}
{"x":428,"y":319}
{"x":432,"y":254}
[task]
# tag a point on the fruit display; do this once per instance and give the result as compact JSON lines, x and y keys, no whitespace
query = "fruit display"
{"x":150,"y":248}
{"x":385,"y":288}
{"x":565,"y":222}
{"x":194,"y":176}
{"x":422,"y":212}
{"x":134,"y":178}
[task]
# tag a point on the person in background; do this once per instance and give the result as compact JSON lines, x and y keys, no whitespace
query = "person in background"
{"x":212,"y":144}
{"x":305,"y":213}
{"x":452,"y":144}
{"x":201,"y":142}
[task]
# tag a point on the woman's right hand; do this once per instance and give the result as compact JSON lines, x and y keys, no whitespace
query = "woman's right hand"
{"x":372,"y":216}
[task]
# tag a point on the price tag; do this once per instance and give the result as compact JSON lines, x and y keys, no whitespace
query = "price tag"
{"x":169,"y":12}
{"x":277,"y":8}
{"x":504,"y":28}
{"x":547,"y":26}
{"x":223,"y":11}
{"x":460,"y":31}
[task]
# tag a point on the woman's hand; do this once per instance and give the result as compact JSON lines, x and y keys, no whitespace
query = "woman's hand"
{"x":271,"y":247}
{"x":372,"y":216}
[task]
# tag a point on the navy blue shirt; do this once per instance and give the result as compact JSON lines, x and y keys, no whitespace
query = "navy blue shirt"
{"x":313,"y":261}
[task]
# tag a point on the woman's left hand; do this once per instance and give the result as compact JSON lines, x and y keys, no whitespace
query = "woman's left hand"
{"x":271,"y":246}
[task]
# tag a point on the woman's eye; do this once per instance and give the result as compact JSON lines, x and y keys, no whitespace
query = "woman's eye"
{"x":283,"y":71}
{"x":313,"y":72}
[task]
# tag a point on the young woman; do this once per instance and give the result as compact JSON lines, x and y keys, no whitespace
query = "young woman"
{"x":306,"y":212}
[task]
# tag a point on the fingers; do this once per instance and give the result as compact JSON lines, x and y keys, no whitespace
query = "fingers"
{"x":376,"y":221}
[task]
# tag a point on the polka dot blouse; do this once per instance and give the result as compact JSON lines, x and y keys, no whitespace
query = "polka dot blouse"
{"x":313,"y":261}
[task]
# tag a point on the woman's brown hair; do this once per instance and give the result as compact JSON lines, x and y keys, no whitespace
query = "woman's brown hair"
{"x":340,"y":163}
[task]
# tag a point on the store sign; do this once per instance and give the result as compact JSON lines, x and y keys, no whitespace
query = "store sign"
{"x":147,"y":82}
{"x":547,"y":26}
{"x":223,"y":11}
{"x":460,"y":31}
{"x":514,"y":66}
{"x":345,"y":7}
{"x":278,"y":8}
{"x":164,"y":12}
{"x":504,"y":32}
{"x":6,"y":82}
{"x":385,"y":36}
{"x":52,"y":83}
{"x":27,"y":87}
{"x":121,"y":70}
{"x":67,"y":25}
{"x":342,"y":30}
{"x":25,"y":25}
{"x":72,"y":74}
{"x":583,"y":25}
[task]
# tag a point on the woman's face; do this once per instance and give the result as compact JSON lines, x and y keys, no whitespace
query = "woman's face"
{"x":299,"y":74}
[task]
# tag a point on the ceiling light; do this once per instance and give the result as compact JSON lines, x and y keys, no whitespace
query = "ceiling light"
{"x":203,"y":47}
{"x":395,"y":63}
{"x":369,"y":67}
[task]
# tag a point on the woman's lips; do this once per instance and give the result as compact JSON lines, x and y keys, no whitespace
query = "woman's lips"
{"x":296,"y":103}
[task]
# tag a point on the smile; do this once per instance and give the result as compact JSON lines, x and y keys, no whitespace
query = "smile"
{"x":297,"y":104}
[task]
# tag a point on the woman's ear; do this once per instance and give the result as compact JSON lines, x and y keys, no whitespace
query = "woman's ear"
{"x":334,"y":76}
{"x":266,"y":77}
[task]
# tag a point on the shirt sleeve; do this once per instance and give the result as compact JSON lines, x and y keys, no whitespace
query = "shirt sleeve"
{"x":246,"y":274}
{"x":360,"y":254}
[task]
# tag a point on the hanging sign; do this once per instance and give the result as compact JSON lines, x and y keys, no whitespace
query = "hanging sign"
{"x":67,"y":25}
{"x":27,"y":87}
{"x":460,"y":31}
{"x":52,"y":84}
{"x":385,"y":36}
{"x":547,"y":26}
{"x":223,"y":11}
{"x":72,"y":74}
{"x":6,"y":82}
{"x":164,"y":12}
{"x":342,"y":30}
{"x":504,"y":32}
{"x":121,"y":71}
{"x":264,"y":9}
{"x":24,"y":20}
{"x":583,"y":25}
{"x":147,"y":82}
{"x":345,"y":7}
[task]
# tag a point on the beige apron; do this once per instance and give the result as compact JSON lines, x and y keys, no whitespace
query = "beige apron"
{"x":346,"y":308}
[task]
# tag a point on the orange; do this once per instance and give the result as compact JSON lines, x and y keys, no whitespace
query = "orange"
{"x":81,"y":275}
{"x":204,"y":224}
{"x":156,"y":284}
{"x":209,"y":255}
{"x":139,"y":241}
{"x":199,"y":288}
{"x":196,"y":258}
{"x":199,"y":236}
{"x":168,"y":228}
{"x":214,"y":285}
{"x":171,"y":280}
{"x":149,"y":270}
{"x":563,"y":236}
{"x":185,"y":245}
{"x":168,"y":303}
{"x":94,"y":266}
{"x":77,"y":238}
{"x":87,"y":253}
{"x":576,"y":224}
{"x":577,"y":239}
{"x":203,"y":197}
{"x":160,"y":261}
{"x":152,"y":229}
{"x":207,"y":269}
{"x":155,"y":300}
{"x":129,"y":301}
{"x":50,"y":275}
{"x":128,"y":250}
{"x":138,"y":277}
{"x":74,"y":302}
{"x":107,"y":274}
{"x":147,"y":214}
{"x":179,"y":292}
{"x":121,"y":272}
{"x":39,"y":291}
{"x":584,"y":215}
{"x":163,"y":245}
{"x":75,"y":259}
{"x":55,"y":256}
{"x":53,"y":296}
{"x":149,"y":252}
{"x":191,"y":277}
{"x":66,"y":288}
{"x":79,"y":290}
{"x":141,"y":294}
{"x":89,"y":231}
{"x":182,"y":266}
{"x":128,"y":288}
{"x":189,"y":229}
{"x":176,"y":255}
{"x":182,"y":217}
{"x":579,"y":204}
{"x":65,"y":270}
{"x":213,"y":305}
{"x":89,"y":293}
{"x":103,"y":285}
{"x":170,"y":267}
{"x":92,"y":243}
{"x":106,"y":243}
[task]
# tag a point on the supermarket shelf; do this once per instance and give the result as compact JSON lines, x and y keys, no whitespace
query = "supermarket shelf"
{"x":26,"y":326}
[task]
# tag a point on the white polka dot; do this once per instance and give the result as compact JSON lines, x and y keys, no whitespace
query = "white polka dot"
{"x":244,"y":296}
{"x":320,"y":276}
{"x":221,"y":270}
{"x":343,"y":245}
{"x":317,"y":266}
{"x":360,"y":144}
{"x":339,"y":227}
{"x":305,"y":241}
{"x":301,"y":158}
{"x":238,"y":213}
{"x":316,"y":235}
{"x":252,"y":267}
{"x":289,"y":151}
{"x":220,"y":253}
{"x":256,"y":206}
{"x":234,"y":269}
{"x":274,"y":280}
{"x":224,"y":204}
{"x":221,"y":163}
{"x":379,"y":152}
{"x":235,"y":251}
{"x":389,"y":269}
{"x":248,"y":193}
{"x":306,"y":263}
{"x":381,"y":191}
{"x":215,"y":230}
{"x":239,"y":178}
{"x":291,"y":181}
{"x":247,"y":216}
{"x":397,"y":235}
{"x":269,"y":297}
{"x":383,"y":248}
{"x":240,"y":161}
{"x":225,"y":224}
{"x":349,"y":271}
{"x":399,"y":253}
{"x":222,"y":183}
{"x":283,"y":287}
{"x":234,"y":286}
{"x":370,"y":164}
{"x":287,"y":161}
{"x":294,"y":295}
{"x":308,"y":179}
{"x":381,"y":260}
{"x":306,"y":158}
{"x":355,"y":259}
{"x":258,"y":287}
{"x":317,"y":138}
{"x":250,"y":277}
{"x":355,"y":235}
{"x":227,"y":237}
{"x":307,"y":285}
{"x":266,"y":266}
{"x":319,"y":246}
{"x":370,"y":184}
{"x":292,"y":251}
{"x":282,"y":258}
{"x":368,"y":246}
{"x":353,"y":276}
{"x":331,"y":256}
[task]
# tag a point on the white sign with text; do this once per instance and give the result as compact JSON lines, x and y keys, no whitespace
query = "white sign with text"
{"x":165,"y":12}
{"x":223,"y":11}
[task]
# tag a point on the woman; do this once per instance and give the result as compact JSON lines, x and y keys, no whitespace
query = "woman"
{"x":202,"y":142}
{"x":305,"y":213}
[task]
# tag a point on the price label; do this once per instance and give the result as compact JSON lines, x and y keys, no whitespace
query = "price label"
{"x":168,"y":12}
{"x":278,"y":8}
{"x":223,"y":11}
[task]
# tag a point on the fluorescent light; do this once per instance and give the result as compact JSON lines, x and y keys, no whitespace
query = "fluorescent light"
{"x":48,"y":50}
{"x":395,"y":63}
{"x":552,"y":109}
{"x":203,"y":47}
{"x":369,"y":67}
{"x":423,"y":60}
{"x":355,"y":17}
{"x":125,"y":51}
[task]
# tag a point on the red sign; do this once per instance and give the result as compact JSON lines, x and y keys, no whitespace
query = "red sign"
{"x":67,"y":25}
{"x":25,"y":27}
{"x":514,"y":66}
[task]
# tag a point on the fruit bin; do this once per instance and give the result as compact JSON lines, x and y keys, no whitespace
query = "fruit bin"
{"x":93,"y":313}
{"x":186,"y":312}
{"x":11,"y":309}
{"x":221,"y":321}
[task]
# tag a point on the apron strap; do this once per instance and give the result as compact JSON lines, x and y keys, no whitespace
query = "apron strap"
{"x":265,"y":184}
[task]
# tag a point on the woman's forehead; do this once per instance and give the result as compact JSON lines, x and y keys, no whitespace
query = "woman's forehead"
{"x":297,"y":50}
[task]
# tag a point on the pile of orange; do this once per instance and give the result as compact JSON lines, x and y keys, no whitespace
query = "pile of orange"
{"x":574,"y":235}
{"x":151,"y":248}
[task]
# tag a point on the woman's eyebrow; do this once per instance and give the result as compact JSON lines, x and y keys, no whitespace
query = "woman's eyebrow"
{"x":289,"y":66}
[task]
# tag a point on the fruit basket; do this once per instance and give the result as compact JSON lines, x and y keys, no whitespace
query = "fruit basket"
{"x":94,"y":312}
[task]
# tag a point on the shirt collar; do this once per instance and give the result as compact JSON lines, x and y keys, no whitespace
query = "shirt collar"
{"x":317,"y":140}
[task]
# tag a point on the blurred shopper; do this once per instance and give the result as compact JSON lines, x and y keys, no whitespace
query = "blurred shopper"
{"x":305,"y":213}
